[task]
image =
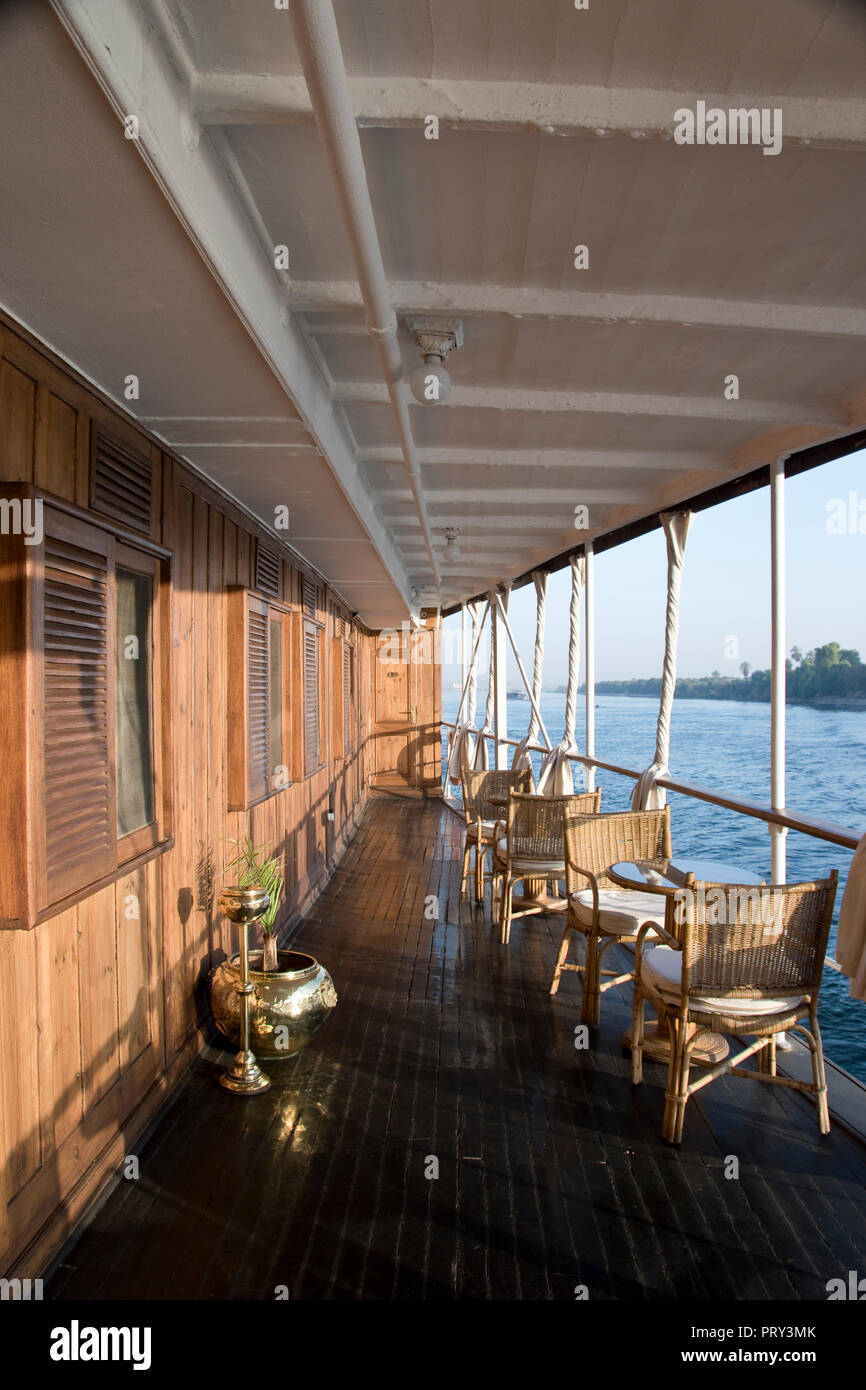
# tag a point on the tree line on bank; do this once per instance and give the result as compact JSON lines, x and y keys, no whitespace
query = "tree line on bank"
{"x":828,"y":672}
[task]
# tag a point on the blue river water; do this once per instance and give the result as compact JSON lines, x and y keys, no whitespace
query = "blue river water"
{"x":726,"y":745}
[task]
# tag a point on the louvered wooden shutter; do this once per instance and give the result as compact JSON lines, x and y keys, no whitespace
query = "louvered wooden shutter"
{"x":267,"y":579}
{"x":311,"y":598}
{"x":258,"y":701}
{"x":312,"y":751}
{"x":121,"y":482}
{"x":347,"y":699}
{"x":78,"y":721}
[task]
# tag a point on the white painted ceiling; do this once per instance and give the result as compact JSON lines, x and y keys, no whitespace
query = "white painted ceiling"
{"x":601,"y":387}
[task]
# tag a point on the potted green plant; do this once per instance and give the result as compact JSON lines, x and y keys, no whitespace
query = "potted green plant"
{"x":293,"y":995}
{"x":256,"y":868}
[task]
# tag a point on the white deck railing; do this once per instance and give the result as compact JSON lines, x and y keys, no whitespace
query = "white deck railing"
{"x":847,"y":1093}
{"x":792,"y":820}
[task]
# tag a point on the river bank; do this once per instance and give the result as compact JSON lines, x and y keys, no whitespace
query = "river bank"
{"x":828,"y":702}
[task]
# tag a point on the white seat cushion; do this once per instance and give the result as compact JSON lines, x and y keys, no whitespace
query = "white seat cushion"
{"x":621,"y":911}
{"x":662,"y":968}
{"x":487,"y":829}
{"x":537,"y":868}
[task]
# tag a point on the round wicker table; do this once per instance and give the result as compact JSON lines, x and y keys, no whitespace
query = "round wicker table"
{"x":666,"y":876}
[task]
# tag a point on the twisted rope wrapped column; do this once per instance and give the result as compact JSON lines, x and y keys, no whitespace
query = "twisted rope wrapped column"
{"x":472,"y":692}
{"x":481,"y":761}
{"x":461,"y":741}
{"x":647,"y":795}
{"x":521,"y":755}
{"x":556,"y":774}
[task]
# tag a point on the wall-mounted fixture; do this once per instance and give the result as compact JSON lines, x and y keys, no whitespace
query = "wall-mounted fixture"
{"x":452,"y":549}
{"x":430,"y":382}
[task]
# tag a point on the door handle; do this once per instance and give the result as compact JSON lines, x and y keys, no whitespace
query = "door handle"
{"x":411,"y":714}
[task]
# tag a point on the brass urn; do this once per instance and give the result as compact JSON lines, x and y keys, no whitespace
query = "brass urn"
{"x":287,"y":1006}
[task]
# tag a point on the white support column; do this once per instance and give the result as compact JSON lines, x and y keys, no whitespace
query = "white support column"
{"x":500,"y":701}
{"x":779,"y":642}
{"x":589,"y":660}
{"x":464,"y":645}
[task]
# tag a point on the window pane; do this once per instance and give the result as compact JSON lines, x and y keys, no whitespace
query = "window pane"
{"x":134,"y":710}
{"x":275,"y":678}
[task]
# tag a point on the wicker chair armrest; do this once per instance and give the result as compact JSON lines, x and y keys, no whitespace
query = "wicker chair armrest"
{"x":644,"y":931}
{"x":663,"y":935}
{"x":594,"y":880}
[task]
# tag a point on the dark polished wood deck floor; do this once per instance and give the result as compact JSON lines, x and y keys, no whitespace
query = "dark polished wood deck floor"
{"x":552,"y":1172}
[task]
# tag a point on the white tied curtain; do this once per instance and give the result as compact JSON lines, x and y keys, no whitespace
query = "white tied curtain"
{"x":461,"y":744}
{"x":648,"y":795}
{"x":851,"y":932}
{"x":521,"y":755}
{"x":556,"y":777}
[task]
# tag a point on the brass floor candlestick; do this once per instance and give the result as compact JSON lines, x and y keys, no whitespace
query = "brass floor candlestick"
{"x":244,"y":905}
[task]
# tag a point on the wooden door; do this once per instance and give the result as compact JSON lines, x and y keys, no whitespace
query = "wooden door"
{"x":406,"y":710}
{"x":396,"y":760}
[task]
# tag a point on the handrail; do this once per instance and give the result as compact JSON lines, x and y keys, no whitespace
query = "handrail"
{"x":793,"y":820}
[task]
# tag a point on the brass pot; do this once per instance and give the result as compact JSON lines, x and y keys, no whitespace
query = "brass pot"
{"x":244,"y":905}
{"x":287,"y":1008}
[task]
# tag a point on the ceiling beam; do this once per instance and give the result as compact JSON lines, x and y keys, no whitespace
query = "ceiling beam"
{"x":514,"y":399}
{"x":233,"y":98}
{"x":532,"y":494}
{"x":478,"y":559}
{"x":476,"y":529}
{"x":317,"y":40}
{"x":529,"y":301}
{"x":125,"y":56}
{"x":576,"y":459}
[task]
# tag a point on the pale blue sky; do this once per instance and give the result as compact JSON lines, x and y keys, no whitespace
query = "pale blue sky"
{"x":726,"y":588}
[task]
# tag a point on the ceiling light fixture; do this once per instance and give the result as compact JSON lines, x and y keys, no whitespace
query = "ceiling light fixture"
{"x":452,"y":549}
{"x":430,"y":382}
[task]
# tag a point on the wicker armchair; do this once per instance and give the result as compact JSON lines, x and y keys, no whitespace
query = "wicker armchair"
{"x":481,"y":817}
{"x":739,"y":960}
{"x":531,"y":847}
{"x":602,"y":912}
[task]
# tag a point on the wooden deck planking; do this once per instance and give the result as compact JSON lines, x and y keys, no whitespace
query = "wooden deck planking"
{"x":552,"y":1172}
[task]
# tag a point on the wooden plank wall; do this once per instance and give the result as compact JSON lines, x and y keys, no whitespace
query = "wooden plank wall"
{"x":102,"y":1004}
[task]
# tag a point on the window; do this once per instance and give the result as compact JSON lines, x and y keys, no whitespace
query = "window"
{"x":136,"y":792}
{"x":258,"y":703}
{"x":99,"y":740}
{"x":312,"y":699}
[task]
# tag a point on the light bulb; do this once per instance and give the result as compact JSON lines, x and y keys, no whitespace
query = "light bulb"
{"x":430,"y":382}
